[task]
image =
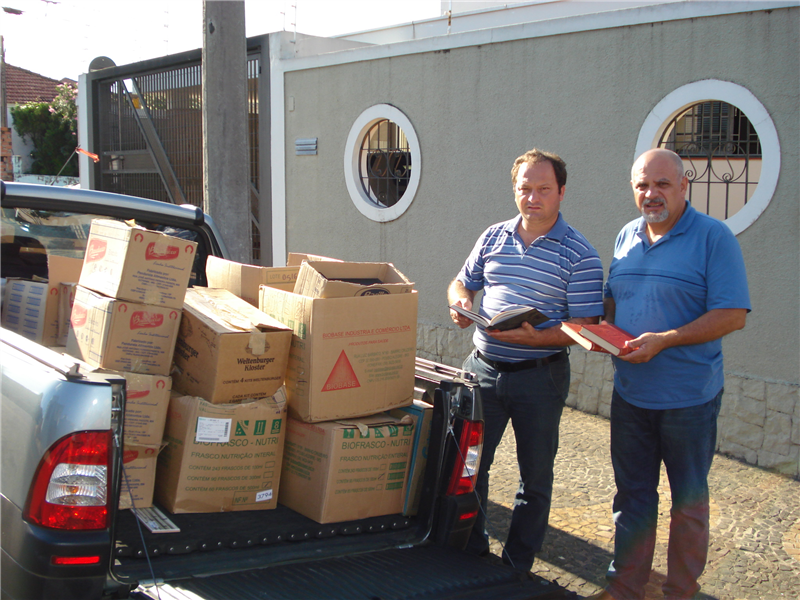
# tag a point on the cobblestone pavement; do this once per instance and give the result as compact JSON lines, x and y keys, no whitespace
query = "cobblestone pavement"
{"x":755,"y":520}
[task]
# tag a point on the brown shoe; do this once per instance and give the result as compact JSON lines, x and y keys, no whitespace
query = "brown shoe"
{"x":604,"y":595}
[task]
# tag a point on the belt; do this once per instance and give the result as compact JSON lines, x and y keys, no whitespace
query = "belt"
{"x":512,"y":367}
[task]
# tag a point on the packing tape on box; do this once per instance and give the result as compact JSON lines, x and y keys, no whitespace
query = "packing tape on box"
{"x":258,"y":343}
{"x":363,"y":428}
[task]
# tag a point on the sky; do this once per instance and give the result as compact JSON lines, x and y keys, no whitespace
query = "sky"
{"x":59,"y":38}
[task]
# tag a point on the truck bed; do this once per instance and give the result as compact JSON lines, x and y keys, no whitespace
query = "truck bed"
{"x":218,"y":542}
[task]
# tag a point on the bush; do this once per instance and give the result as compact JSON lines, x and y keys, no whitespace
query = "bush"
{"x":52,"y":129}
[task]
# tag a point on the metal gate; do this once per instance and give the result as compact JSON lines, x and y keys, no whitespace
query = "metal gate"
{"x":148,"y":131}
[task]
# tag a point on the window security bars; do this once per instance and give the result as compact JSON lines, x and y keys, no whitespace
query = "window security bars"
{"x":385,"y":163}
{"x":721,"y":153}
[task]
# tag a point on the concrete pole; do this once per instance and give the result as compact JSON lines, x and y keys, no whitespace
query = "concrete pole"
{"x":4,"y":107}
{"x":226,"y":185}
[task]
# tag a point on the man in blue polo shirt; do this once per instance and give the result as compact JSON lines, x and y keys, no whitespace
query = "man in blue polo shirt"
{"x":535,"y":259}
{"x":677,"y":281}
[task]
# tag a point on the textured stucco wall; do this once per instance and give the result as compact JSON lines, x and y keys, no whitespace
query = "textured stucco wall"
{"x":584,"y":95}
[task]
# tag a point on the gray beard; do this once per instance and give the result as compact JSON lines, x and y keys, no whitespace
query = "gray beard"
{"x":656,"y":218}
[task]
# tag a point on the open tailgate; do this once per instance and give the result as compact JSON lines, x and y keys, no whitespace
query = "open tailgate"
{"x":424,"y":573}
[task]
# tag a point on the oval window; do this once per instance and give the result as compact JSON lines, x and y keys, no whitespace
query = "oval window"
{"x":382,"y":163}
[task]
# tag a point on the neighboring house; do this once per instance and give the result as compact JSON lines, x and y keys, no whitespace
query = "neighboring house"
{"x":22,"y":87}
{"x":396,"y":145}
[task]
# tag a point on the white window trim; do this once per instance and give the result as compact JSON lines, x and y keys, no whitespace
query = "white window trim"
{"x":352,"y":176}
{"x":743,"y":99}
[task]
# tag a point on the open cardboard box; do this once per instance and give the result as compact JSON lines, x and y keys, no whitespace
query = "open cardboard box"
{"x":244,"y":280}
{"x":324,"y":279}
{"x":350,"y":357}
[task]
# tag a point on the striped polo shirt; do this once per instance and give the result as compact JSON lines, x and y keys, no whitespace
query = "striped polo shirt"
{"x":560,"y":273}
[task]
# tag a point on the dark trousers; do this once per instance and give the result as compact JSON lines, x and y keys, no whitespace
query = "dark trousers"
{"x":684,"y":439}
{"x":533,"y":400}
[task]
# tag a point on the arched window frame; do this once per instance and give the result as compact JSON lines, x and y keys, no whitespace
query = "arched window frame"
{"x":710,"y":90}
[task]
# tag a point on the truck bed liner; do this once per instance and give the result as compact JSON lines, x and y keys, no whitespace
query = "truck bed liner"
{"x":441,"y":573}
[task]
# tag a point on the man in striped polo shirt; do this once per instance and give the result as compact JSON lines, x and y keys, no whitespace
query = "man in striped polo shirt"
{"x":536,"y":259}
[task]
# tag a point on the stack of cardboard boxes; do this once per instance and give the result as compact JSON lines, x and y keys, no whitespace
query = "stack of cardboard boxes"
{"x":351,"y":361}
{"x":226,"y":427}
{"x":124,"y":319}
{"x":291,"y":384}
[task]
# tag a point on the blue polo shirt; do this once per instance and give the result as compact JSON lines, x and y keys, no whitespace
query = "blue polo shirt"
{"x":696,"y":267}
{"x":559,"y":273}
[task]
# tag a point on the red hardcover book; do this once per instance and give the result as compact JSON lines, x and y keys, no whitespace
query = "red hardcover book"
{"x":603,"y":337}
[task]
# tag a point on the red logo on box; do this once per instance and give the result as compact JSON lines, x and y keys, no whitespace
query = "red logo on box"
{"x":95,"y":250}
{"x":129,"y":456}
{"x":171,"y":253}
{"x":78,"y":315}
{"x":141,"y":319}
{"x":342,"y":376}
{"x":138,"y":393}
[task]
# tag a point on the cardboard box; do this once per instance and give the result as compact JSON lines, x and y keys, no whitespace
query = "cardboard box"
{"x":65,"y":300}
{"x":325,"y":279}
{"x":422,"y":414}
{"x":123,"y":336}
{"x":135,"y":264}
{"x":221,"y":457}
{"x":24,"y":307}
{"x":339,"y":471}
{"x":33,"y":306}
{"x":59,"y":270}
{"x":350,"y":356}
{"x":295,"y":259}
{"x":228,"y":350}
{"x":139,"y":475}
{"x":146,"y":404}
{"x":244,"y":280}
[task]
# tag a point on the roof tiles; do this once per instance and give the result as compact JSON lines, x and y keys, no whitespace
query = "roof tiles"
{"x":25,"y":86}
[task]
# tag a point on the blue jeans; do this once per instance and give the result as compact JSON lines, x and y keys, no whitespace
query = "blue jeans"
{"x":684,"y":438}
{"x":533,"y":400}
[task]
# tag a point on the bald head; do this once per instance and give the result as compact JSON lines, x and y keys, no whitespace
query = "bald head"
{"x":659,"y":189}
{"x":658,"y":153}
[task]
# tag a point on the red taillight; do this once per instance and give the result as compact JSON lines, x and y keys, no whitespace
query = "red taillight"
{"x":465,"y":471}
{"x":75,"y":560}
{"x":70,"y":489}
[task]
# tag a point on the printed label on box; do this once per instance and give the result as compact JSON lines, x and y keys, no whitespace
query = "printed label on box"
{"x":216,"y":431}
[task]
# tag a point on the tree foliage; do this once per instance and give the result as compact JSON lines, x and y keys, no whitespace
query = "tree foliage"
{"x":52,"y":127}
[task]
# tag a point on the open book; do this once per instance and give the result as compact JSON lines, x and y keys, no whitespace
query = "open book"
{"x":603,"y":337}
{"x":510,"y":318}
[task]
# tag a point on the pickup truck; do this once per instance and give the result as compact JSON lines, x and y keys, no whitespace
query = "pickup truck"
{"x":64,"y":537}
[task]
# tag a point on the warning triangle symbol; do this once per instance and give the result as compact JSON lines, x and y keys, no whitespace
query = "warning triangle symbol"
{"x":342,"y":376}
